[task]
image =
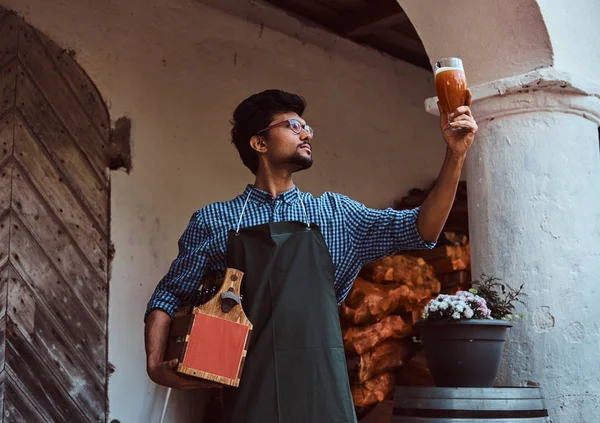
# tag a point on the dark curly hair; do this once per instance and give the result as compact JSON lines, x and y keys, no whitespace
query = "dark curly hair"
{"x":256,"y":113}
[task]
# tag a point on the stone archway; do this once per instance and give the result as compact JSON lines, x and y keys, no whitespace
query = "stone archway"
{"x":533,"y":177}
{"x":54,"y":232}
{"x":495,"y":39}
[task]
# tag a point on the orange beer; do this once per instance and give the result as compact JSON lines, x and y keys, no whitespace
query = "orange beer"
{"x":450,"y":83}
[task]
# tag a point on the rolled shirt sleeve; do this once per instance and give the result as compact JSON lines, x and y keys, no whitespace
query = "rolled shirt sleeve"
{"x":380,"y":233}
{"x":182,"y":280}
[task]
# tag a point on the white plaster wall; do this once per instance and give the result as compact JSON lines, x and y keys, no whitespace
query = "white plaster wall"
{"x":503,"y":38}
{"x":495,"y":38}
{"x":178,"y":69}
{"x":575,"y":35}
{"x":534,"y":174}
{"x":535,"y":220}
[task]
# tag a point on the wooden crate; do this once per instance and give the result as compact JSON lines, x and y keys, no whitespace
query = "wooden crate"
{"x":211,"y":340}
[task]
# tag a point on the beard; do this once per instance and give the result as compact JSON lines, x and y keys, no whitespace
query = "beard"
{"x":301,"y":161}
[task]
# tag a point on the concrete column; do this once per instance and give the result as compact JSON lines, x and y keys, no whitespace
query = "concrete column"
{"x":533,"y":178}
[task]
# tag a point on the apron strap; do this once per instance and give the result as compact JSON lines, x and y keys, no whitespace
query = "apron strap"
{"x":246,"y":203}
{"x":305,"y":214}
{"x":242,"y":214}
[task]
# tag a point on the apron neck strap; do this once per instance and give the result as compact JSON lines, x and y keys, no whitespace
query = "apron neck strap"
{"x":242,"y":213}
{"x":246,"y":203}
{"x":305,"y":214}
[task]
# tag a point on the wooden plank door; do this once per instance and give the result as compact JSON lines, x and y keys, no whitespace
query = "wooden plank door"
{"x":54,"y":233}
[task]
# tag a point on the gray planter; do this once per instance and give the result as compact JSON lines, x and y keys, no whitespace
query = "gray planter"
{"x":464,"y":353}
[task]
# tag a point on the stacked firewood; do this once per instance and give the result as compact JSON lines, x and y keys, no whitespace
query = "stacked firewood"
{"x":389,"y":296}
{"x":457,"y":222}
{"x":377,"y":319}
{"x":451,"y":259}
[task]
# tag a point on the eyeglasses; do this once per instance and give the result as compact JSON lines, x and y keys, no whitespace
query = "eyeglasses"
{"x":294,"y":125}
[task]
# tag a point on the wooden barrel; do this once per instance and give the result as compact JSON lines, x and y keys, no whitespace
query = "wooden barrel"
{"x":469,"y":405}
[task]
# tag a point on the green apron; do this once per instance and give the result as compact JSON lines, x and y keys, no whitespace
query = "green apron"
{"x":295,"y":370}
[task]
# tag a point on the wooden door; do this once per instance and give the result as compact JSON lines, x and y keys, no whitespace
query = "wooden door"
{"x":54,"y":233}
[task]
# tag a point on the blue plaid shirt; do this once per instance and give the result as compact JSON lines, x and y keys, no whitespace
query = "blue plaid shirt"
{"x":354,"y":234}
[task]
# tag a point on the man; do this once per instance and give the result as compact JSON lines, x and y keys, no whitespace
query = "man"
{"x":300,"y":256}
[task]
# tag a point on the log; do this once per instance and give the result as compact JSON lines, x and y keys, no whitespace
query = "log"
{"x":400,"y":269}
{"x":373,"y":390}
{"x":456,"y":226}
{"x":454,"y":289}
{"x":347,"y":315}
{"x":417,"y":314}
{"x":452,"y":238}
{"x":360,"y":339}
{"x":446,"y":265}
{"x":462,"y":252}
{"x":416,"y":197}
{"x":416,"y":372}
{"x":455,"y":281}
{"x":458,"y":217}
{"x":385,"y":357}
{"x":459,"y":277}
{"x":370,"y":302}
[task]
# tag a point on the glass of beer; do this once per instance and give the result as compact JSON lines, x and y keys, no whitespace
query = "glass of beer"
{"x":450,"y":83}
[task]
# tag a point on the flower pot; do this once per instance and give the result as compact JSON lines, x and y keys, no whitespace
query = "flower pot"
{"x":464,"y":353}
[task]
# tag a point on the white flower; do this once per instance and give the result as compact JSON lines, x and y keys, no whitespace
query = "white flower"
{"x":463,"y":304}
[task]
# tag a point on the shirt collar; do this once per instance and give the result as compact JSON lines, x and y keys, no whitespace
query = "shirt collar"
{"x":258,"y":196}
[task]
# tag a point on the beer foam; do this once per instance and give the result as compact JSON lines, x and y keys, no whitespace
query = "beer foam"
{"x":448,"y":68}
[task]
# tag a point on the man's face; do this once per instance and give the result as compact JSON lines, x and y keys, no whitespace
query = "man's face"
{"x":285,"y":148}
